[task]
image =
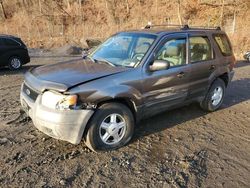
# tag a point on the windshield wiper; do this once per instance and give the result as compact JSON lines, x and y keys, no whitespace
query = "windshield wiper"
{"x":105,"y":61}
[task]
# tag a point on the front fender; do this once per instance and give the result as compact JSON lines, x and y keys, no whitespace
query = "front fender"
{"x":116,"y":92}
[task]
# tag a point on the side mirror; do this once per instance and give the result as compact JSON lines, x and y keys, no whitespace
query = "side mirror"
{"x":159,"y":65}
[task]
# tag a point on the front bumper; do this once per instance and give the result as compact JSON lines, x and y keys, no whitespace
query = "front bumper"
{"x":67,"y":125}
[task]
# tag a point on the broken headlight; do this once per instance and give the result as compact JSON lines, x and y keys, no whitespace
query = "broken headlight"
{"x":68,"y":102}
{"x":59,"y":101}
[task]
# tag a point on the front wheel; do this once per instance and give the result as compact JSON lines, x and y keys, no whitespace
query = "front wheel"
{"x":215,"y":96}
{"x":110,"y":128}
{"x":15,"y":63}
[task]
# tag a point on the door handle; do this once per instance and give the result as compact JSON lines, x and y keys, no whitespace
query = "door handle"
{"x":180,"y":75}
{"x":212,"y":67}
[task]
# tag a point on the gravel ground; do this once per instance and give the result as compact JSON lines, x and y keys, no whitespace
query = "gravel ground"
{"x":185,"y":147}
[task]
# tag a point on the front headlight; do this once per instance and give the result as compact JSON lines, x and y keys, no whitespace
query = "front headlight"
{"x":58,"y":101}
{"x":68,"y":102}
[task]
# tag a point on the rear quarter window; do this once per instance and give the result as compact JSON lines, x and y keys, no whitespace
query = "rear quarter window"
{"x":223,"y":44}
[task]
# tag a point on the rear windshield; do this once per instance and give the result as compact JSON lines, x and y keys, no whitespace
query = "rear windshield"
{"x":223,"y":43}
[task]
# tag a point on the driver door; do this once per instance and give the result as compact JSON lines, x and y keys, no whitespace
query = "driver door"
{"x":163,"y":89}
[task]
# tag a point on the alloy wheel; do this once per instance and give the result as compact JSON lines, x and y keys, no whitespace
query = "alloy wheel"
{"x":112,"y":129}
{"x":217,"y":95}
{"x":15,"y":63}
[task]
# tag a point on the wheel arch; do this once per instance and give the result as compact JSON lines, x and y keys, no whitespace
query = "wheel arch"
{"x":123,"y":100}
{"x":15,"y":55}
{"x":225,"y":78}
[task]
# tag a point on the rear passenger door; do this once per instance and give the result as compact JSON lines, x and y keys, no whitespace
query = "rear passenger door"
{"x":201,"y":60}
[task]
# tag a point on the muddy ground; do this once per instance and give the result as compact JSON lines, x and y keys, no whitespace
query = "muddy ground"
{"x":185,"y":147}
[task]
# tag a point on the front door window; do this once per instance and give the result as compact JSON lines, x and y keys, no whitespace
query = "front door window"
{"x":173,"y":51}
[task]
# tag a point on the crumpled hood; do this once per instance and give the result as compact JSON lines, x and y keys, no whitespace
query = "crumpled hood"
{"x":65,"y":75}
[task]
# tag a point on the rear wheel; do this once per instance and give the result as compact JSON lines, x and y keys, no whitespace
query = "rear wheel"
{"x":15,"y":63}
{"x":111,"y":127}
{"x":214,"y":97}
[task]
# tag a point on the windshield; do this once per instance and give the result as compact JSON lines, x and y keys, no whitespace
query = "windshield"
{"x":124,"y":49}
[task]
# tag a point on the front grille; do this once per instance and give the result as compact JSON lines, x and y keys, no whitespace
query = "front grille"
{"x":30,"y":92}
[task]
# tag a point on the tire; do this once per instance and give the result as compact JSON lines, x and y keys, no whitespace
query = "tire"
{"x":212,"y":101}
{"x":99,"y":135}
{"x":15,"y":63}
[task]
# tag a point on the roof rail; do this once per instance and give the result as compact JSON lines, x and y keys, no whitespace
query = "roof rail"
{"x":204,"y":27}
{"x":149,"y":25}
{"x":182,"y":27}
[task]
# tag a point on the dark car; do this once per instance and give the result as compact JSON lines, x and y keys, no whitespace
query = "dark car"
{"x":132,"y":75}
{"x":13,"y":52}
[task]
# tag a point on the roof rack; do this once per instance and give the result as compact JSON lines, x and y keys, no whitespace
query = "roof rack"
{"x":182,"y":27}
{"x":204,"y":27}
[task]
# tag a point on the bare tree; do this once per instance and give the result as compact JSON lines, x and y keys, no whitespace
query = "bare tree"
{"x":68,"y":4}
{"x":222,"y":12}
{"x":80,"y":8}
{"x":110,"y":6}
{"x":127,"y":6}
{"x":234,"y":21}
{"x":3,"y":10}
{"x":222,"y":6}
{"x":156,"y":6}
{"x":40,"y":6}
{"x":179,"y":12}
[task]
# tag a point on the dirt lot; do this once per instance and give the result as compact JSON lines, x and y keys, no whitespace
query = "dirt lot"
{"x":180,"y":148}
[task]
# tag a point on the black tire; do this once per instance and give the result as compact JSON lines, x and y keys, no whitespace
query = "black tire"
{"x":208,"y":103}
{"x":93,"y":135}
{"x":15,"y":63}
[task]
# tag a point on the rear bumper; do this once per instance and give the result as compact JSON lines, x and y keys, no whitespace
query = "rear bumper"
{"x":26,"y":58}
{"x":65,"y":125}
{"x":230,"y":76}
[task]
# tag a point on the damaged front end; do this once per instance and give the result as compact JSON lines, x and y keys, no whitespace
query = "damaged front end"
{"x":57,"y":115}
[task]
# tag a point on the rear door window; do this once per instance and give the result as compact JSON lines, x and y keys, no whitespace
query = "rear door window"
{"x":223,"y":43}
{"x":200,"y":49}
